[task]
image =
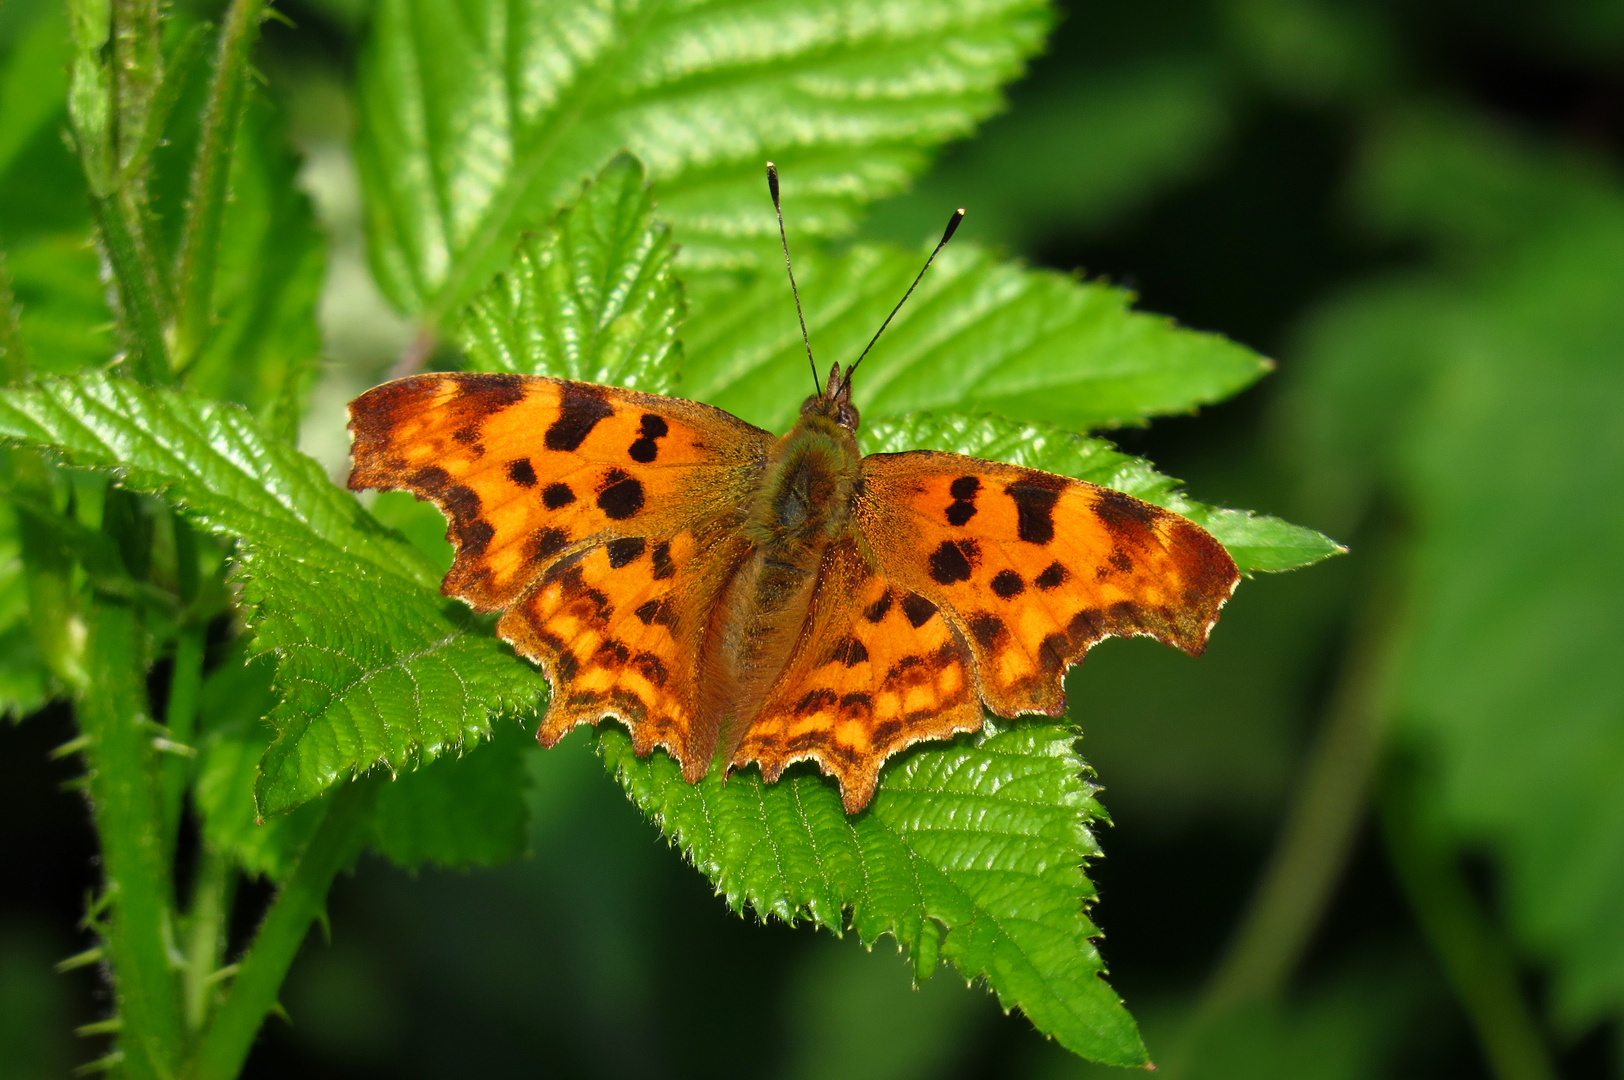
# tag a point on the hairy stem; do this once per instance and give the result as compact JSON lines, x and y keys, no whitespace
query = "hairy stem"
{"x":112,"y":713}
{"x":207,"y":920}
{"x":140,"y":287}
{"x":211,"y":169}
{"x":180,"y":717}
{"x":262,"y":969}
{"x":1322,"y":821}
{"x":1473,"y":955}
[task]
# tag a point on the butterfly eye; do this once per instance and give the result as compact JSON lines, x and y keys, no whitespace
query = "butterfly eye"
{"x":847,"y":417}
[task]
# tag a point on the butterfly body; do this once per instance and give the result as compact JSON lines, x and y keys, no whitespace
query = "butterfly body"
{"x":739,"y":599}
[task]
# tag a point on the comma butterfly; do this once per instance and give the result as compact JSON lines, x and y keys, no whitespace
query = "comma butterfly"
{"x":736,"y":597}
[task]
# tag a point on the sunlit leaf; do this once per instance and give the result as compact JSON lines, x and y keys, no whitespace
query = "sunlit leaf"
{"x":481,"y":119}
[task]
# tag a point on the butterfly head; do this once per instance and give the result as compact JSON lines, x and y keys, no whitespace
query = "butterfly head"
{"x":834,"y":400}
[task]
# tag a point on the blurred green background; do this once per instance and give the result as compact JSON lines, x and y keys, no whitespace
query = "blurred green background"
{"x":1416,"y":208}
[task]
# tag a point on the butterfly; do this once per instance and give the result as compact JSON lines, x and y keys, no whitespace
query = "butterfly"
{"x":737,"y":597}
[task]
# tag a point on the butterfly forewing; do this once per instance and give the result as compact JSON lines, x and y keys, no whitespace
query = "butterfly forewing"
{"x":1035,"y":568}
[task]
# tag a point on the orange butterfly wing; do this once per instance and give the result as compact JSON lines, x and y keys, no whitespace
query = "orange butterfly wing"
{"x":1034,"y":569}
{"x":877,"y":669}
{"x":598,"y":517}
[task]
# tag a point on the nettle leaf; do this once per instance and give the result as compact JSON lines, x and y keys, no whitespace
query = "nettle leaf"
{"x":971,"y":852}
{"x":1256,"y":542}
{"x":979,"y":335}
{"x":374,"y":669}
{"x":591,"y":297}
{"x":479,"y":119}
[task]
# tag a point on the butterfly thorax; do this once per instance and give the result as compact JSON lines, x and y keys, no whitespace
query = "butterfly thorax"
{"x":803,"y":503}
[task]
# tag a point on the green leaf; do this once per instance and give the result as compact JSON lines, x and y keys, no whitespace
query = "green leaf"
{"x":1485,"y":405}
{"x":233,"y":706}
{"x":1095,"y":146}
{"x":34,"y":83}
{"x":66,"y":324}
{"x":458,"y":811}
{"x":395,"y":688}
{"x":970,"y":852}
{"x":264,"y":342}
{"x":480,"y":119}
{"x":591,"y":297}
{"x":979,"y":335}
{"x":455,"y":811}
{"x":1255,"y":542}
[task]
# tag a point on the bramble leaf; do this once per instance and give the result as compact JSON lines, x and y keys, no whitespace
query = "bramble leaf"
{"x":979,"y":335}
{"x":591,"y":297}
{"x":396,"y":688}
{"x":971,"y":852}
{"x":480,"y":119}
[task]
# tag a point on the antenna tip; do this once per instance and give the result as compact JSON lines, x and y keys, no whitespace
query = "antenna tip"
{"x":771,"y":167}
{"x":772,"y":181}
{"x":952,"y":225}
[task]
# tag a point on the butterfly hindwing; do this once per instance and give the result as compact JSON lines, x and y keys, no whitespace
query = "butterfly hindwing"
{"x":877,"y":669}
{"x":1035,"y":568}
{"x":589,"y":513}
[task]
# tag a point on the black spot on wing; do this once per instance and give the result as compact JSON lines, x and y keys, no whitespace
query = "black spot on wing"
{"x":625,"y":550}
{"x":663,"y":566}
{"x":431,"y":479}
{"x":1126,"y":518}
{"x":646,"y":448}
{"x":651,"y":668}
{"x":580,"y":407}
{"x":557,"y":495}
{"x":952,"y":561}
{"x":849,"y":652}
{"x":988,"y":629}
{"x":545,"y":543}
{"x":876,"y":611}
{"x":963,"y":507}
{"x":1035,"y":496}
{"x":621,"y":495}
{"x":918,"y":610}
{"x":1053,"y":577}
{"x":521,"y":473}
{"x":1007,"y":584}
{"x":656,"y":613}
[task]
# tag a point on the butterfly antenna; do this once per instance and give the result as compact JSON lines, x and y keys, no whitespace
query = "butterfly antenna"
{"x":772,"y":186}
{"x":952,"y":227}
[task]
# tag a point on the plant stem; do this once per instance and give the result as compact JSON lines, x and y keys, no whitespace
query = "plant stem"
{"x":180,"y":717}
{"x":206,"y":934}
{"x":13,"y":355}
{"x":1473,"y":955}
{"x":140,"y":289}
{"x":1322,"y":822}
{"x":211,"y":169}
{"x":261,"y":971}
{"x":113,"y":714}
